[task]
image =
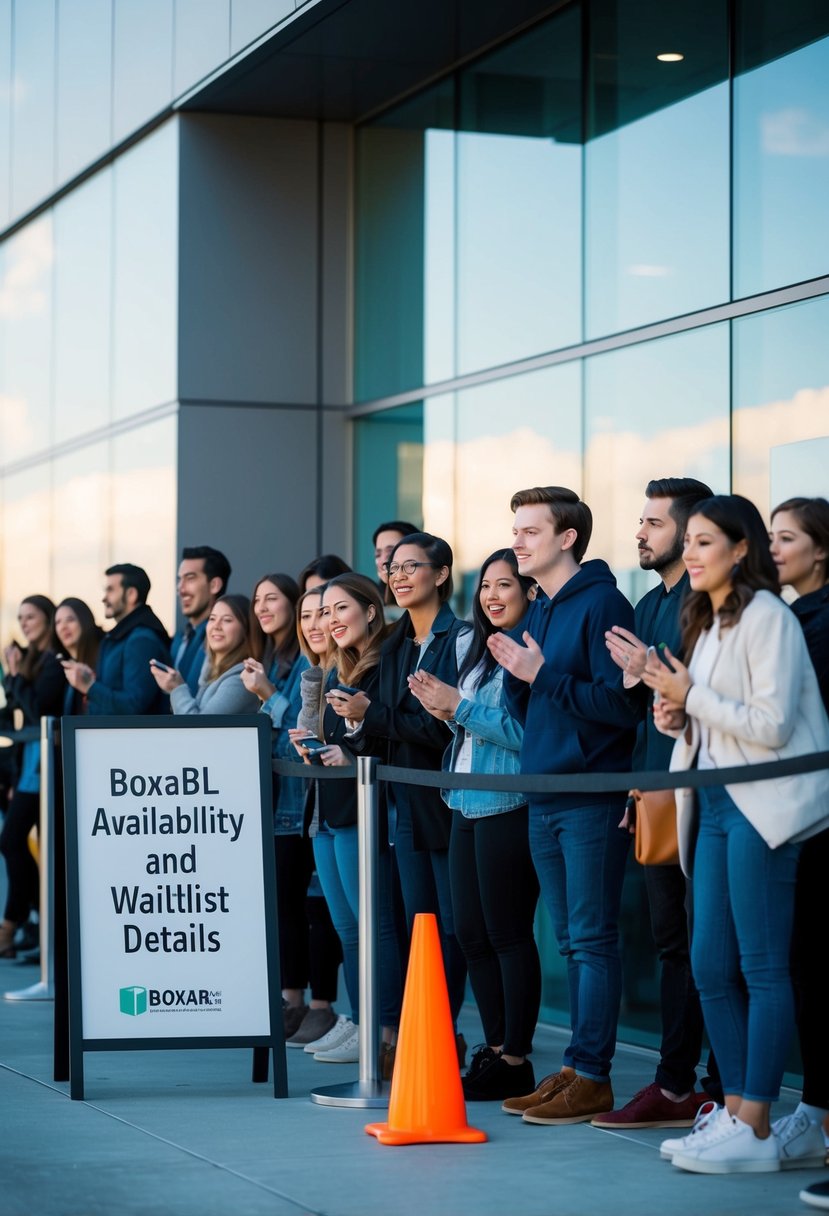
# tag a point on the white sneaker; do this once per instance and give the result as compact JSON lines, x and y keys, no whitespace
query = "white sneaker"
{"x":347,"y":1050}
{"x":801,"y":1142}
{"x":341,"y":1029}
{"x":730,"y":1147}
{"x":707,"y":1115}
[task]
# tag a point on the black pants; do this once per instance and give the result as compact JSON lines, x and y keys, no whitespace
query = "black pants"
{"x":682,"y":1022}
{"x":309,"y":948}
{"x":808,"y":972}
{"x":494,"y":894}
{"x":24,"y":884}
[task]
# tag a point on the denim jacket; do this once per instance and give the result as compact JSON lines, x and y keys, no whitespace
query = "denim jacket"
{"x":283,"y":710}
{"x":496,"y":743}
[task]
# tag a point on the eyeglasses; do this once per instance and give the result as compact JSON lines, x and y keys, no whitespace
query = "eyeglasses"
{"x":408,"y":567}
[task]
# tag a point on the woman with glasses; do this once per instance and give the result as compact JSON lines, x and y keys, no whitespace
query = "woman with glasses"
{"x":425,"y":639}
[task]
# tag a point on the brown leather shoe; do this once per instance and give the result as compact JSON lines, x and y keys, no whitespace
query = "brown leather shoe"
{"x":547,"y":1087}
{"x":577,"y":1102}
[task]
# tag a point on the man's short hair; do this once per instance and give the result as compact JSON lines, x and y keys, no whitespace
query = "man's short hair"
{"x":566,"y":508}
{"x":216,"y":564}
{"x":132,"y":576}
{"x":395,"y":525}
{"x":684,"y":493}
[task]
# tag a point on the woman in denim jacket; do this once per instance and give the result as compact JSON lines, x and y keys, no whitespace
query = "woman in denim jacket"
{"x":493,"y":882}
{"x":309,"y":951}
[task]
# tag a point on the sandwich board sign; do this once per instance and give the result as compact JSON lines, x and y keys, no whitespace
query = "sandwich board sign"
{"x":172,"y":923}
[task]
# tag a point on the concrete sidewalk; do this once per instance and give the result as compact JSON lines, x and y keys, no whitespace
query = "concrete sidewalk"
{"x":181,"y":1133}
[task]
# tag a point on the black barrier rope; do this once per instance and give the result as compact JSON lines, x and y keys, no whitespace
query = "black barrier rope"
{"x":293,"y":768}
{"x":582,"y":783}
{"x":27,"y":735}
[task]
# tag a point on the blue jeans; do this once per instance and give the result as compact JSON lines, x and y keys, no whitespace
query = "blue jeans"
{"x":424,"y":881}
{"x":336,"y":856}
{"x":743,"y":914}
{"x":579,"y":855}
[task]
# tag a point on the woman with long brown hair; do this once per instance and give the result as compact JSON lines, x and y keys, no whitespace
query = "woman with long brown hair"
{"x":76,"y":637}
{"x":749,"y":694}
{"x":34,"y":685}
{"x":227,"y":643}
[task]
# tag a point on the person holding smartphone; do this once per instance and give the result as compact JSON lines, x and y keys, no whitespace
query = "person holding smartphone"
{"x":353,"y":612}
{"x":748,"y":695}
{"x":220,"y":689}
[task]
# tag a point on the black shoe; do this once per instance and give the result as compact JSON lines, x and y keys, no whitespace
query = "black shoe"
{"x":481,"y":1056}
{"x":497,"y":1080}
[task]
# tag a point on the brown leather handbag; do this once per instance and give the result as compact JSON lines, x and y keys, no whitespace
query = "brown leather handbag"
{"x":655,"y":839}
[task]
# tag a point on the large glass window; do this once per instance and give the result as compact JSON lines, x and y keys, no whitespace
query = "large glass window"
{"x":518,"y":217}
{"x":388,"y":474}
{"x":142,"y":62}
{"x":33,"y":135}
{"x":656,"y":162}
{"x":83,"y":291}
{"x":781,"y":145}
{"x":5,"y":108}
{"x":781,"y":399}
{"x":145,"y":273}
{"x":80,"y":524}
{"x":84,"y":109}
{"x":202,"y":40}
{"x":660,"y":409}
{"x":26,"y":336}
{"x":25,"y":543}
{"x":143,"y":508}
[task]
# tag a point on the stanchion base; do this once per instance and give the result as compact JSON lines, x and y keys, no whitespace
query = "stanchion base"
{"x":365,"y":1094}
{"x":35,"y":992}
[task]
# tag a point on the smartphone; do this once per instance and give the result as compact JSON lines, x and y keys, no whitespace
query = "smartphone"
{"x":160,"y":666}
{"x":314,"y":747}
{"x":346,"y":688}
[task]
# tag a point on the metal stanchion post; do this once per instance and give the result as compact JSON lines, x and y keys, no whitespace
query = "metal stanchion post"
{"x":369,"y":1090}
{"x":44,"y":989}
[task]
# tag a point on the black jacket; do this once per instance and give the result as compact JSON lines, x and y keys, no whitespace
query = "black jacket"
{"x":812,"y":611}
{"x":415,"y":738}
{"x":337,"y":800}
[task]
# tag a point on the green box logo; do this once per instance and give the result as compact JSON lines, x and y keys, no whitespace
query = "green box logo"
{"x":133,"y":1000}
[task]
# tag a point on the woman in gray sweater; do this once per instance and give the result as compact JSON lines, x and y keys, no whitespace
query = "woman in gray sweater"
{"x":227,"y":644}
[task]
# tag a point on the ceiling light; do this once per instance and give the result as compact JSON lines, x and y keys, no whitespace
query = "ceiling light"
{"x":670,"y":57}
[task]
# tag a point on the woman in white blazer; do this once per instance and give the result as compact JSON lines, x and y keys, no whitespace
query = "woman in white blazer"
{"x":748,"y":695}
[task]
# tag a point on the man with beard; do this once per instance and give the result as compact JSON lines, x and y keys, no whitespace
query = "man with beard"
{"x":123,"y":682}
{"x":670,"y":1101}
{"x":202,"y":577}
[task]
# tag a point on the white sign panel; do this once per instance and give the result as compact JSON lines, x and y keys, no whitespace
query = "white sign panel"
{"x":170,"y":882}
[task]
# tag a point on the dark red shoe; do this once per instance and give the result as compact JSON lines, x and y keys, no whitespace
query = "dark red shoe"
{"x":650,"y":1108}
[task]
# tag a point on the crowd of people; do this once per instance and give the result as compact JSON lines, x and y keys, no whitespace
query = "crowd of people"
{"x":556,"y":673}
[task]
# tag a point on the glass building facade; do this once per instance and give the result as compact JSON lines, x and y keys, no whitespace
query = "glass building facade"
{"x":272,"y":271}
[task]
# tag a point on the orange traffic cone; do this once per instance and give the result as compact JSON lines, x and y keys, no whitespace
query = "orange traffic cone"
{"x":426,"y":1103}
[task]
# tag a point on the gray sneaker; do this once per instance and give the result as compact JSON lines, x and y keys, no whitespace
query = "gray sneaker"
{"x":801,"y":1142}
{"x":341,"y":1029}
{"x":314,"y":1025}
{"x":347,"y":1051}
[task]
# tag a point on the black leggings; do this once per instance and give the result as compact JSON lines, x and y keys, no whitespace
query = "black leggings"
{"x":309,"y":948}
{"x":494,"y":894}
{"x":24,"y":884}
{"x":808,"y":947}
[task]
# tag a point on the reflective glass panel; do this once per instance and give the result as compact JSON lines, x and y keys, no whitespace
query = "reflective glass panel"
{"x":388,"y":474}
{"x":510,"y":434}
{"x":519,"y":166}
{"x":84,"y":110}
{"x":25,"y":543}
{"x":250,"y":18}
{"x":660,"y":409}
{"x":146,"y":273}
{"x":80,"y":524}
{"x":202,"y":39}
{"x":143,"y":508}
{"x":143,"y":62}
{"x":33,"y":135}
{"x":83,"y":292}
{"x":26,"y":333}
{"x":781,"y":166}
{"x":781,"y":399}
{"x":656,"y":162}
{"x":5,"y":108}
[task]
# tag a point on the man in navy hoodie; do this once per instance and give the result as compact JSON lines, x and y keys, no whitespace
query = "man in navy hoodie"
{"x":123,"y":683}
{"x":562,"y":684}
